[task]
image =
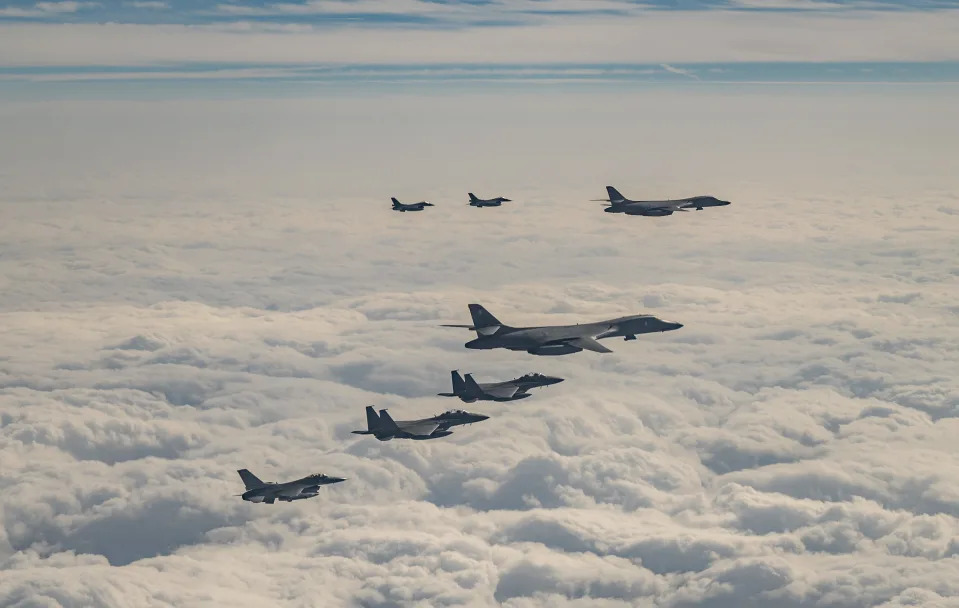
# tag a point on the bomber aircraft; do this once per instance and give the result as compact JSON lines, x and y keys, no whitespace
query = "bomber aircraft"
{"x":487,"y":202}
{"x":384,"y":428}
{"x":620,"y":204}
{"x":268,"y":492}
{"x":558,"y":339}
{"x":469,"y":390}
{"x":398,"y":206}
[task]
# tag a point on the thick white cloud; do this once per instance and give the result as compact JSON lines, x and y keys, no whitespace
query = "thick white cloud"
{"x":189,"y":288}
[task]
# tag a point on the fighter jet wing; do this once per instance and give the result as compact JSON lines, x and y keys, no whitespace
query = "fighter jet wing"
{"x":502,"y":392}
{"x":420,"y":427}
{"x":589,"y":344}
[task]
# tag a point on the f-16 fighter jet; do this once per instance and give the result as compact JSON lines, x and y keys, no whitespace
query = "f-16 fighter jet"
{"x":620,"y":204}
{"x":384,"y":428}
{"x":398,"y":206}
{"x":487,"y":202}
{"x":558,"y":339}
{"x":469,"y":390}
{"x":268,"y":492}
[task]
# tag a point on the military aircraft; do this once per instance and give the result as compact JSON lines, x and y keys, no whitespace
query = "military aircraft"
{"x":398,"y":206}
{"x":384,"y":428}
{"x":469,"y":390}
{"x":620,"y":204}
{"x":558,"y":339}
{"x":487,"y":202}
{"x":268,"y":492}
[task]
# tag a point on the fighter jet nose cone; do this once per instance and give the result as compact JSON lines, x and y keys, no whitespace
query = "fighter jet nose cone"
{"x":480,"y":417}
{"x":556,"y":380}
{"x":677,"y":326}
{"x":337,"y":479}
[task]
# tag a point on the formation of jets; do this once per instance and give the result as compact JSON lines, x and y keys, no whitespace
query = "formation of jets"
{"x":617,"y":204}
{"x":491,"y":333}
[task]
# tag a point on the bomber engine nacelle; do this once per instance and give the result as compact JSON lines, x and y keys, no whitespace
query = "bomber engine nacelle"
{"x":650,"y":212}
{"x":554,"y":349}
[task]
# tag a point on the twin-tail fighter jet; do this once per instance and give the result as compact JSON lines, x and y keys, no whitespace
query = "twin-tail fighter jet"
{"x":468,"y":390}
{"x":620,"y":204}
{"x":384,"y":428}
{"x":268,"y":492}
{"x":487,"y":202}
{"x":398,"y":206}
{"x":558,"y":339}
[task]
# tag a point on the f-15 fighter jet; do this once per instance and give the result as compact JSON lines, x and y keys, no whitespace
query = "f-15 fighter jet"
{"x":558,"y":339}
{"x":487,"y":202}
{"x":469,"y":390}
{"x":268,"y":492}
{"x":620,"y":204}
{"x":398,"y":206}
{"x":384,"y":428}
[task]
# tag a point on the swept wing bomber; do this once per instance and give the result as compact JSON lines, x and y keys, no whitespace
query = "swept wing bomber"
{"x":469,"y":390}
{"x":558,"y":339}
{"x":620,"y":204}
{"x":269,"y":492}
{"x":384,"y":428}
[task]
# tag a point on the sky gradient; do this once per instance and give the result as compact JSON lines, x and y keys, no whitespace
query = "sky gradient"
{"x":199,"y":272}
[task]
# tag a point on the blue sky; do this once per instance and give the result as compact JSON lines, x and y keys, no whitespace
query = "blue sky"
{"x":59,"y":47}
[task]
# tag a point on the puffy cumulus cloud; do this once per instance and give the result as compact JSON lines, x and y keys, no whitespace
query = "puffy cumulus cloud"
{"x":173,"y":314}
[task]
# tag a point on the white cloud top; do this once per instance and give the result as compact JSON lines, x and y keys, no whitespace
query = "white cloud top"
{"x":190,"y":288}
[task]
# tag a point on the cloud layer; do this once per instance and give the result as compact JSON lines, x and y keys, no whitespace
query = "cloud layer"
{"x":190,"y":288}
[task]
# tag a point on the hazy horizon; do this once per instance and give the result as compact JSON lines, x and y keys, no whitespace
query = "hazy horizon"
{"x":200,"y":273}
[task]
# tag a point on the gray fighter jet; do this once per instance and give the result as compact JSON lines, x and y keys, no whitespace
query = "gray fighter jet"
{"x":487,"y":202}
{"x":558,"y":339}
{"x":469,"y":390}
{"x":620,"y":204}
{"x":384,"y":428}
{"x":268,"y":492}
{"x":398,"y":206}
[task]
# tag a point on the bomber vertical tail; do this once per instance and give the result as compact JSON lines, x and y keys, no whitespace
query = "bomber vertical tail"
{"x":484,"y":322}
{"x":250,"y":480}
{"x":614,"y":195}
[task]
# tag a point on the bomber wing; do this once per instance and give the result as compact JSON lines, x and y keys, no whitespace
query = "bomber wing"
{"x":587,"y":343}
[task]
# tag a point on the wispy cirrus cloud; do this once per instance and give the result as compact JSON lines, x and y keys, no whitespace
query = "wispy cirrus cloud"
{"x":47,"y":9}
{"x":149,"y":4}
